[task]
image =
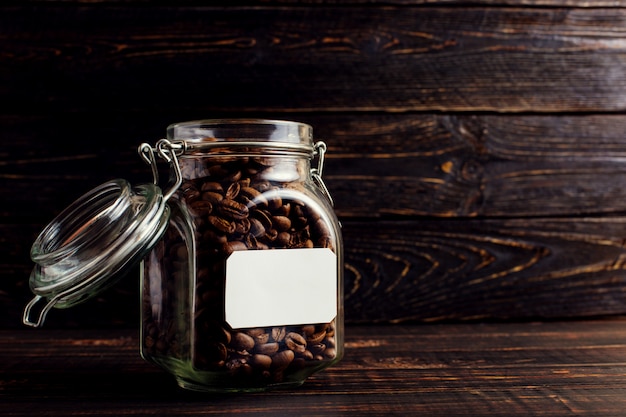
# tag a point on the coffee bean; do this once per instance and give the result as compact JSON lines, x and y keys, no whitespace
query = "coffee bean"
{"x":295,"y":342}
{"x":267,"y":348}
{"x":317,"y":348}
{"x":212,"y":197}
{"x":261,"y":361}
{"x":212,"y":186}
{"x":316,"y":337}
{"x":222,"y":225}
{"x":282,"y":359}
{"x":232,"y":209}
{"x":201,"y":208}
{"x":278,"y":333}
{"x":242,"y":342}
{"x":281,"y":223}
{"x":252,"y":196}
{"x":330,"y":353}
{"x":260,"y":335}
{"x":233,"y":191}
{"x":256,"y":227}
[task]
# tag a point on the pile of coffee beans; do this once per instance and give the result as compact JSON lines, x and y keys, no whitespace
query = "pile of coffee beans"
{"x":234,"y":204}
{"x":266,"y":354}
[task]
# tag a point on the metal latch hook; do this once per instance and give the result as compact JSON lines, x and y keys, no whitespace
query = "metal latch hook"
{"x":167,"y":151}
{"x":316,"y":173}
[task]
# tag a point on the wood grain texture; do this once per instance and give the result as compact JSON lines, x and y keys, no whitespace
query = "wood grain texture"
{"x":250,"y":3}
{"x":484,"y":269}
{"x":419,"y":270}
{"x":378,"y":166}
{"x":312,"y":59}
{"x":446,"y":217}
{"x":560,"y":368}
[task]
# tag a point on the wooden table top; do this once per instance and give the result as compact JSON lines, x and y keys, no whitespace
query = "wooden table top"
{"x":512,"y":369}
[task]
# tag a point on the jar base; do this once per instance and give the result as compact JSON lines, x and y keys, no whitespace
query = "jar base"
{"x":194,"y":386}
{"x":192,"y":379}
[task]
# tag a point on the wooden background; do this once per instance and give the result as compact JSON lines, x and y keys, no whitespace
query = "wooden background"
{"x":477,"y":150}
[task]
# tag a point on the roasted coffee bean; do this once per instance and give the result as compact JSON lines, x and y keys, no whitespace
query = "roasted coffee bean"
{"x":244,"y":182}
{"x":264,"y":217}
{"x":283,"y":239}
{"x":231,"y":209}
{"x":213,"y":186}
{"x":256,"y":227}
{"x":191,"y":194}
{"x":242,"y":342}
{"x":219,"y":353}
{"x":214,"y":237}
{"x":261,"y":361}
{"x":216,"y":170}
{"x":239,"y":365}
{"x":222,"y":224}
{"x":299,"y":239}
{"x":270,"y":235}
{"x":283,"y":210}
{"x":233,"y":191}
{"x":316,"y":337}
{"x":261,"y":185}
{"x":242,"y":227}
{"x":201,"y":208}
{"x":282,"y":359}
{"x":278,"y":334}
{"x":307,"y":354}
{"x":295,"y":342}
{"x":233,"y":246}
{"x":212,"y":197}
{"x":274,"y":201}
{"x":252,"y":196}
{"x":234,"y":176}
{"x":259,"y":335}
{"x":267,"y":348}
{"x":308,"y":330}
{"x":317,"y":348}
{"x":281,"y":223}
{"x":330,"y":353}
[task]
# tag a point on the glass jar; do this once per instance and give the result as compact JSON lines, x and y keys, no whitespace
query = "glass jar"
{"x":242,"y":288}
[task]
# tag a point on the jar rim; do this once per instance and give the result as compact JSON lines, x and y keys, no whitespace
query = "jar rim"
{"x":241,"y":130}
{"x":241,"y":121}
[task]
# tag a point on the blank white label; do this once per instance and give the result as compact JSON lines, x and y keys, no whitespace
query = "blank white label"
{"x":281,"y":287}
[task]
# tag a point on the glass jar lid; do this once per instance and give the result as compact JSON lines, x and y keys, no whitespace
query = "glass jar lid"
{"x":93,"y":242}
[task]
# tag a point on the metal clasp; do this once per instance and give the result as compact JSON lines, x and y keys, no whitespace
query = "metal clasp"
{"x":42,"y":313}
{"x":316,"y":173}
{"x":168,"y":152}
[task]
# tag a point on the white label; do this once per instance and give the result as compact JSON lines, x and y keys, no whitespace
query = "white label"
{"x":281,"y":287}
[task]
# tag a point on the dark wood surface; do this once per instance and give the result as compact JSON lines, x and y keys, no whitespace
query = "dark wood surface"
{"x":476,"y":158}
{"x":282,"y":59}
{"x":509,"y":369}
{"x":476,"y":149}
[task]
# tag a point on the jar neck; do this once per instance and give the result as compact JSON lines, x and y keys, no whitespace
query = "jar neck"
{"x":280,"y":169}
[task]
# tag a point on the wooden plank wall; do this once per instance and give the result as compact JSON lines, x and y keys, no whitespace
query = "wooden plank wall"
{"x":477,"y":150}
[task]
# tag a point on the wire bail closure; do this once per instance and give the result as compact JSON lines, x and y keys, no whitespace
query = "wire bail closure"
{"x":316,"y":173}
{"x":167,"y":151}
